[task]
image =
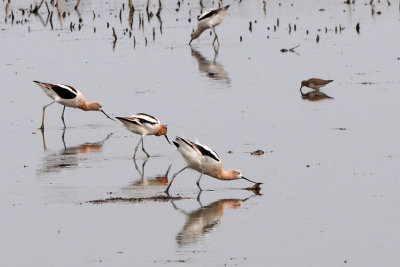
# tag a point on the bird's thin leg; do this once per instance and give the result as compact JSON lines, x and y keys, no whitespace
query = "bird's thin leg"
{"x":216,"y":49}
{"x":147,"y":154}
{"x":136,"y":167}
{"x":173,"y":177}
{"x":62,"y":117}
{"x":44,"y":108}
{"x":198,"y":181}
{"x":198,"y":199}
{"x":63,"y":140}
{"x":144,"y":164}
{"x":44,"y":139}
{"x":216,"y":36}
{"x":136,"y":148}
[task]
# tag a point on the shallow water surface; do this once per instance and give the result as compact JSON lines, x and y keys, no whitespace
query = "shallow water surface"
{"x":331,"y":158}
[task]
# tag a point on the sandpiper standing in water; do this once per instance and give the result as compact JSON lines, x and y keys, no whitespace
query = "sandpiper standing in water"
{"x":315,"y":83}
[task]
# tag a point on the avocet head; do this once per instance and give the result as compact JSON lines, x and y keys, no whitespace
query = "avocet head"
{"x":236,"y":174}
{"x":163,"y":131}
{"x":196,"y":34}
{"x":98,"y":107}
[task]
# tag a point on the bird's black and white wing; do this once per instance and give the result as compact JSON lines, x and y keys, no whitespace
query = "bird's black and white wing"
{"x":129,"y":120}
{"x":64,"y":91}
{"x":211,"y":12}
{"x":61,"y":91}
{"x":145,"y":118}
{"x":208,"y":14}
{"x":206,"y":151}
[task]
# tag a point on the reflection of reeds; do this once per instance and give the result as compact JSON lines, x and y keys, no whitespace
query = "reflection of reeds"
{"x":77,"y":4}
{"x":37,"y":7}
{"x":159,"y":9}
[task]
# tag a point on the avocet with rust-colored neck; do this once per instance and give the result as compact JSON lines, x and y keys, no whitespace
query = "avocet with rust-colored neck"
{"x":209,"y":20}
{"x":144,"y":124}
{"x":204,"y":160}
{"x":68,"y":97}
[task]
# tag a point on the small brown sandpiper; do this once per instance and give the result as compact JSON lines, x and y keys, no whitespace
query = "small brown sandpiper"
{"x":315,"y":83}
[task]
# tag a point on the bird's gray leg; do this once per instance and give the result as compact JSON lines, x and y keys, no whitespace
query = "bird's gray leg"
{"x":198,"y":199}
{"x":198,"y":181}
{"x":63,"y":140}
{"x":216,"y":49}
{"x":216,"y":36}
{"x":44,"y":139}
{"x":144,"y":164}
{"x":147,"y":154}
{"x":44,"y":108}
{"x":166,"y":174}
{"x":173,"y":177}
{"x":62,"y":117}
{"x":136,"y":148}
{"x":136,"y":167}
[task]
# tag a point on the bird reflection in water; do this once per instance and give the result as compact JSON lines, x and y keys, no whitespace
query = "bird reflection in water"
{"x":211,"y":68}
{"x":204,"y":221}
{"x":69,"y":156}
{"x":160,"y":180}
{"x":314,"y":95}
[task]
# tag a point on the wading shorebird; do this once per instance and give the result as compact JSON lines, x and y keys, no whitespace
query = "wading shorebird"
{"x":204,"y":160}
{"x":68,"y":97}
{"x":143,"y":125}
{"x":314,"y":83}
{"x":209,"y":20}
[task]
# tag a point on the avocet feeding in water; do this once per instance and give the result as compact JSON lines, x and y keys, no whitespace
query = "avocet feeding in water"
{"x":209,"y":20}
{"x":204,"y":160}
{"x":68,"y":97}
{"x":144,"y":124}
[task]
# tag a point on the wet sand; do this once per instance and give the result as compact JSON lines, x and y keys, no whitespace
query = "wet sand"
{"x":330,"y":187}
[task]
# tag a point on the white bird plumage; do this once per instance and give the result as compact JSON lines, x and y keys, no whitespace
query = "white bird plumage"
{"x":143,"y":124}
{"x":209,"y":20}
{"x":204,"y":160}
{"x":68,"y":97}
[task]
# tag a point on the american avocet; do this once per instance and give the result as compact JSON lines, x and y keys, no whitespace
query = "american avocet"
{"x":68,"y":97}
{"x":315,"y":83}
{"x":204,"y":160}
{"x":209,"y":20}
{"x":144,"y":124}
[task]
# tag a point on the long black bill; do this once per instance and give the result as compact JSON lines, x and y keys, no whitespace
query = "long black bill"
{"x":107,"y":115}
{"x":190,"y":41}
{"x":250,"y":180}
{"x":166,"y":137}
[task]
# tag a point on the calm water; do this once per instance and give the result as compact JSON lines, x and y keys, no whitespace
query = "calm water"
{"x":330,"y":172}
